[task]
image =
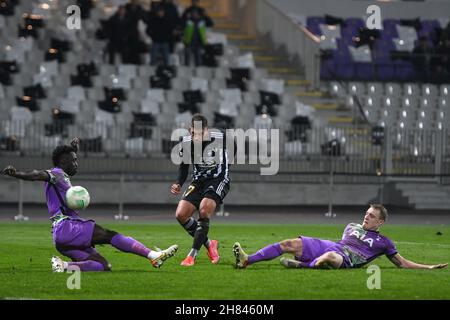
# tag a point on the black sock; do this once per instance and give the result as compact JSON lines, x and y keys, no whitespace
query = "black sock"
{"x":201,"y":234}
{"x":191,"y":226}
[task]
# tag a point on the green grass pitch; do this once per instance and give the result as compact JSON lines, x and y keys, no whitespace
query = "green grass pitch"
{"x":26,"y":249}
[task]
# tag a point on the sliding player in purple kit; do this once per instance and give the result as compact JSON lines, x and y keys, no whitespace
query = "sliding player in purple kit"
{"x":73,"y":236}
{"x":360,"y":244}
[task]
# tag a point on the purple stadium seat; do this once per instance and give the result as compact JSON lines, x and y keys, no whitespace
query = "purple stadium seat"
{"x":365,"y":71}
{"x":404,"y":70}
{"x":327,"y":70}
{"x":345,"y":70}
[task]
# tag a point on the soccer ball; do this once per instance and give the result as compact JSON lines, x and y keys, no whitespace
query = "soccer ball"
{"x":77,"y":198}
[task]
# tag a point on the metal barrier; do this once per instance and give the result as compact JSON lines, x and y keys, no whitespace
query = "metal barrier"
{"x":302,"y":148}
{"x":298,"y":41}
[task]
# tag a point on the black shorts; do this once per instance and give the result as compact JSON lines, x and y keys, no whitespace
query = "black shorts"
{"x":215,"y":189}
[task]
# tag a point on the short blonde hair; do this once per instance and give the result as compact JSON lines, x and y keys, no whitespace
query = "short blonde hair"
{"x":381,"y":209}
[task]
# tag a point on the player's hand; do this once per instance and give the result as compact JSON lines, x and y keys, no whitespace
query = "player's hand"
{"x":75,"y":143}
{"x":439,"y":266}
{"x":175,"y":189}
{"x":9,"y":171}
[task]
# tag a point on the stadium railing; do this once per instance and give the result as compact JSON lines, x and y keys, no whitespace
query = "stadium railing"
{"x":121,"y":148}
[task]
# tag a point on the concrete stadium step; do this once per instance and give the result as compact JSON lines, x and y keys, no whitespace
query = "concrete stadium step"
{"x":240,"y":37}
{"x":325,"y":106}
{"x":340,"y":120}
{"x":317,"y":94}
{"x":260,"y":58}
{"x":253,"y":48}
{"x":434,"y":206}
{"x":425,"y":195}
{"x":297,"y":82}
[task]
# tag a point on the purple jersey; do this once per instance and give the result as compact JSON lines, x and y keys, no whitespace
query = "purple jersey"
{"x":363,"y":246}
{"x":60,"y":181}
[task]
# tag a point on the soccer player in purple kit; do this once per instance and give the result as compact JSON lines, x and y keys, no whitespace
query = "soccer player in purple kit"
{"x":360,"y":244}
{"x":73,"y":236}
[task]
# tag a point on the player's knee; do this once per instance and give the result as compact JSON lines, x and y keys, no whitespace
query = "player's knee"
{"x":207,"y":208}
{"x":331,"y":257}
{"x":181,"y":216}
{"x":100,"y":259}
{"x":291,"y":246}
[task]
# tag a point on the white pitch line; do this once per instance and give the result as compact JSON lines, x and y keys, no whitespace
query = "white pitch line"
{"x":426,"y":244}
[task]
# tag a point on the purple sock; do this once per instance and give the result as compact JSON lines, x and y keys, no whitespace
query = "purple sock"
{"x":88,"y":265}
{"x":127,"y":244}
{"x":267,"y":253}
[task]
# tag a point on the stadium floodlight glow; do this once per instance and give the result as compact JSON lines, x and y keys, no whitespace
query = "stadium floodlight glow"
{"x":370,"y":101}
{"x":440,"y":125}
{"x":445,"y":90}
{"x":422,"y":114}
{"x":402,"y":125}
{"x":335,"y":88}
{"x":388,"y":102}
{"x":416,"y":151}
{"x":444,"y":102}
{"x":372,"y":89}
{"x":420,"y":125}
{"x":354,"y":89}
{"x":382,"y":124}
{"x":407,"y":102}
{"x":425,"y":102}
{"x":366,"y":112}
{"x":427,"y":90}
{"x":323,"y":38}
{"x":404,"y":114}
{"x":386,"y":113}
{"x":441,"y":114}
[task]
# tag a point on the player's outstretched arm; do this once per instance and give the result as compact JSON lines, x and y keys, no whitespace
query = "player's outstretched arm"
{"x":401,"y":262}
{"x":34,"y":175}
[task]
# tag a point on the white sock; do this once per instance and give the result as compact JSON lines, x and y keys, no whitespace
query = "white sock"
{"x":65,"y":265}
{"x":154,"y":254}
{"x":193,"y":253}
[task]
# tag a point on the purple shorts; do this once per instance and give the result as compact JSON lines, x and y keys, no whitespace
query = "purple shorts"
{"x":73,"y":233}
{"x":313,"y":248}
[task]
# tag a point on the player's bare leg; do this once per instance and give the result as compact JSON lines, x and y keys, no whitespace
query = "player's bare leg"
{"x":292,"y":246}
{"x":329,"y":260}
{"x":128,"y":244}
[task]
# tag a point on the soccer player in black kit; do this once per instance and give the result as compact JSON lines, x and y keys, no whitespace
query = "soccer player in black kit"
{"x":210,"y":184}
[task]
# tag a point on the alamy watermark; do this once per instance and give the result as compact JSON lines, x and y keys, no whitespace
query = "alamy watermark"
{"x":374,"y":20}
{"x":374,"y":280}
{"x":262,"y":145}
{"x":74,"y":280}
{"x":73,"y":22}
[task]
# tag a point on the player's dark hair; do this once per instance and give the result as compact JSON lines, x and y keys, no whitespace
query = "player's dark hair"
{"x":199,"y":118}
{"x":59,"y":152}
{"x":381,"y":209}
